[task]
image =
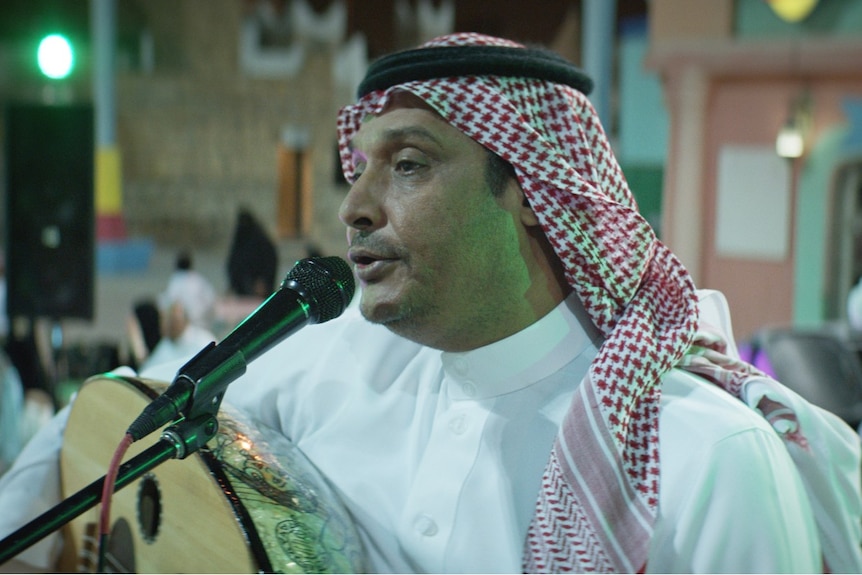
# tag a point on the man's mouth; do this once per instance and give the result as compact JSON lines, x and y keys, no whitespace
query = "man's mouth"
{"x":368,"y":266}
{"x":364,"y":260}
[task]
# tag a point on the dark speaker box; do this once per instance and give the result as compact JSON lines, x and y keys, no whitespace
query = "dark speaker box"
{"x":50,"y":219}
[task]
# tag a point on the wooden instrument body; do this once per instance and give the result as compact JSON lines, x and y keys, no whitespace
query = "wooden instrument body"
{"x":248,"y":502}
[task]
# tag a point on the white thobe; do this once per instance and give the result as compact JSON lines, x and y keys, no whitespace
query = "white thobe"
{"x":439,"y":456}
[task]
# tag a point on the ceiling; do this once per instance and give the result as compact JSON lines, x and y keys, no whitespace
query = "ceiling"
{"x":24,"y":22}
{"x":517,"y":19}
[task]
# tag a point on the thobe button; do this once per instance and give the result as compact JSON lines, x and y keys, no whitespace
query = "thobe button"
{"x":469,"y":388}
{"x":458,"y":424}
{"x":424,"y":525}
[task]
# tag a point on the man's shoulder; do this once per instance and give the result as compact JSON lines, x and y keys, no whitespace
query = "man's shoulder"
{"x":726,"y":480}
{"x":695,"y":410}
{"x":706,"y":433}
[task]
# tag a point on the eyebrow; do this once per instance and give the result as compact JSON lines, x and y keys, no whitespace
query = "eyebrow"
{"x":391,"y":135}
{"x":409,"y":132}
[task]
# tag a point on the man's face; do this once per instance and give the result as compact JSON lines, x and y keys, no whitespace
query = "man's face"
{"x":440,"y":259}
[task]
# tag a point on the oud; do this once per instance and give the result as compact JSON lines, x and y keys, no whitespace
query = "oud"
{"x":249,"y":501}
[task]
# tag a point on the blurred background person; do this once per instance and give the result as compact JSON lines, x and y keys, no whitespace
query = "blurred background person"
{"x":143,"y":332}
{"x":253,"y":258}
{"x":11,"y":413}
{"x":185,"y":312}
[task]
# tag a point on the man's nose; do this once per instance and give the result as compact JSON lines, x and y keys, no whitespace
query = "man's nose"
{"x":360,"y":208}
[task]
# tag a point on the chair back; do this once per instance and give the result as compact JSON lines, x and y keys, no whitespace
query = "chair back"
{"x":818,"y":366}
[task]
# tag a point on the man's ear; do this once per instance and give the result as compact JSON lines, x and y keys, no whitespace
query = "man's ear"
{"x":528,"y":216}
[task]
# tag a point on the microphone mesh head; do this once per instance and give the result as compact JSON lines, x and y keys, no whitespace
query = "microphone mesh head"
{"x":326,"y":281}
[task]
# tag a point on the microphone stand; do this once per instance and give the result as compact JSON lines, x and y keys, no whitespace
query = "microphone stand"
{"x":192,"y":401}
{"x":178,"y":441}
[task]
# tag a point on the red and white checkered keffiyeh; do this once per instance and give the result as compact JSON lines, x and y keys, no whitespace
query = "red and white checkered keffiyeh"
{"x":600,"y":490}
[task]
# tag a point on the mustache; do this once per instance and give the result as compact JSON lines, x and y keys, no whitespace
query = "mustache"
{"x":378,"y":245}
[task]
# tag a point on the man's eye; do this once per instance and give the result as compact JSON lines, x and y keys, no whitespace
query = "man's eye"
{"x":407,"y":166}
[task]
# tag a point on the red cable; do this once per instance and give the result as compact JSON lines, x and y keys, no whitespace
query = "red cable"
{"x":107,"y":492}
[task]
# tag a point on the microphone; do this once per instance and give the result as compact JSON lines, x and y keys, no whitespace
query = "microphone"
{"x":316,"y":290}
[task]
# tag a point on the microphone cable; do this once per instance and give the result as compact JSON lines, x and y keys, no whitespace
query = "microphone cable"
{"x":107,"y":496}
{"x":315,"y":291}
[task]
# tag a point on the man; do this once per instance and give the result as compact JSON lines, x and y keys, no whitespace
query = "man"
{"x":521,"y":307}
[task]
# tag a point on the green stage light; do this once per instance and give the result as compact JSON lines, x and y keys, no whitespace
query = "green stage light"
{"x":55,"y":56}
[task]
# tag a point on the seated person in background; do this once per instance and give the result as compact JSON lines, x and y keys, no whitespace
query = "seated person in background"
{"x":252,"y":265}
{"x":252,"y":260}
{"x":144,"y":330}
{"x":529,"y":379}
{"x":186,"y":313}
{"x":22,"y":412}
{"x":11,"y":412}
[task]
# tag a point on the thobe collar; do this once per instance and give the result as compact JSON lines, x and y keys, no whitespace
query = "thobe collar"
{"x":523,"y":358}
